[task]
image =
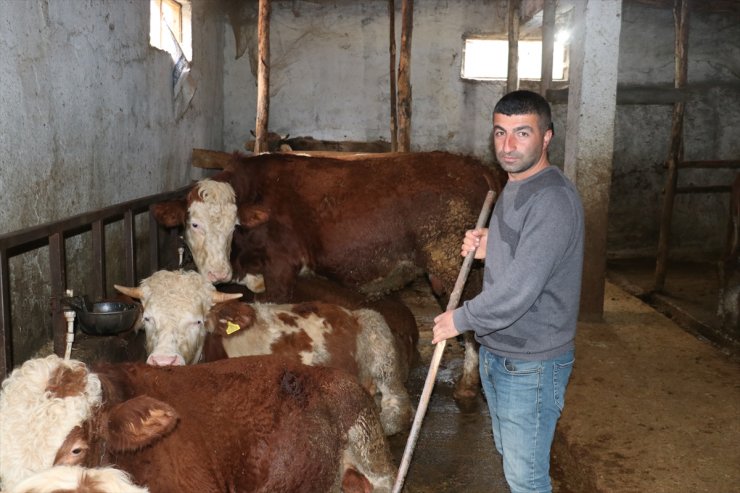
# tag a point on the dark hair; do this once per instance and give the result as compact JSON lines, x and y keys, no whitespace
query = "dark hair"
{"x":526,"y":103}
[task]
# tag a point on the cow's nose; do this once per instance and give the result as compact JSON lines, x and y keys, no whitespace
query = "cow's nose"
{"x":164,"y":360}
{"x":219,"y":276}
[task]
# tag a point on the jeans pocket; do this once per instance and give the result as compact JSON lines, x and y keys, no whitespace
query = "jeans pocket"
{"x":521,"y":367}
{"x":560,"y":376}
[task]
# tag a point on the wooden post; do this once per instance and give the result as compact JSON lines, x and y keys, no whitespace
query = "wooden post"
{"x":675,"y":154}
{"x":548,"y":43}
{"x":392,"y":49}
{"x":512,"y":21}
{"x":263,"y":77}
{"x":404,"y":77}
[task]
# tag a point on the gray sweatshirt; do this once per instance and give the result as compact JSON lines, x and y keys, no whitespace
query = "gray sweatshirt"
{"x":528,"y":307}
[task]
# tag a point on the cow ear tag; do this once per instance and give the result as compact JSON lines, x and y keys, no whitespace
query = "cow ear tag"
{"x":231,"y":327}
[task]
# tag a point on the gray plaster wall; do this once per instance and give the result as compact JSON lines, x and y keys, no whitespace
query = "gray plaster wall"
{"x":711,"y":126}
{"x":87,"y":121}
{"x":329,"y":79}
{"x":329,"y":74}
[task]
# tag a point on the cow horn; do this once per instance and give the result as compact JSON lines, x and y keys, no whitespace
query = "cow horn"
{"x":219,"y":297}
{"x":137,"y":293}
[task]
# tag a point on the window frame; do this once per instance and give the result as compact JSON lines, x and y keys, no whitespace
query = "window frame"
{"x":498,"y":38}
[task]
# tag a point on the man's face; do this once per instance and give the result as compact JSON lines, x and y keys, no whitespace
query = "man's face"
{"x":520,"y":144}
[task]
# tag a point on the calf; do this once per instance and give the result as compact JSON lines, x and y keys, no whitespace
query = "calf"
{"x":397,"y":315}
{"x":258,"y":424}
{"x":399,"y":318}
{"x":181,"y":319}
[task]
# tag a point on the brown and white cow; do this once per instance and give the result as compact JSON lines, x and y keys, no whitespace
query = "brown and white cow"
{"x":397,"y":315}
{"x":258,"y":424}
{"x":77,"y":479}
{"x":374,"y":223}
{"x":184,"y":325}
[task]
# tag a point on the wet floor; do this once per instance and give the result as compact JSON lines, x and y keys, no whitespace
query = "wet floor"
{"x":454,"y":452}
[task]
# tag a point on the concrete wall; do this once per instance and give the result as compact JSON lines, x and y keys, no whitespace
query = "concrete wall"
{"x":711,"y":125}
{"x":86,"y":121}
{"x":330,"y":74}
{"x":329,"y":79}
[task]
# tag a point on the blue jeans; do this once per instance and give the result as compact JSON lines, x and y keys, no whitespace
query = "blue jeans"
{"x":525,"y":399}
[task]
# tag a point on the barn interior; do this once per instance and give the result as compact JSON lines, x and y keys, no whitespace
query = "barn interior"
{"x":96,"y":125}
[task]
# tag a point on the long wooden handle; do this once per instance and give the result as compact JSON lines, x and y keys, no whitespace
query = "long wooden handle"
{"x":438,"y":351}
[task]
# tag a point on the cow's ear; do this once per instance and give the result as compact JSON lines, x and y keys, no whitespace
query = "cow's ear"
{"x":251,"y":216}
{"x":226,"y":319}
{"x":171,"y":213}
{"x":138,"y":422}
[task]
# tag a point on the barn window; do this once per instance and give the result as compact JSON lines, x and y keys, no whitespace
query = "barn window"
{"x":170,"y":27}
{"x":487,"y":59}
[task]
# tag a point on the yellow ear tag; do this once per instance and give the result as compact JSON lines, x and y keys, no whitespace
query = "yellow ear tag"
{"x":231,"y":327}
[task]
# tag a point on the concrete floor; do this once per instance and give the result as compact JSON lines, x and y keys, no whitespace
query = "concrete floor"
{"x":651,"y":406}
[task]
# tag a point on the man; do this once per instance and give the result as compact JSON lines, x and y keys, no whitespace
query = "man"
{"x":525,"y":316}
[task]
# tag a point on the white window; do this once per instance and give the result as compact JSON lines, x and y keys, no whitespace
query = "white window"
{"x":170,"y":16}
{"x":488,"y":59}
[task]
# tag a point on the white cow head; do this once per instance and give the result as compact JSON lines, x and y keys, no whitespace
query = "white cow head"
{"x":209,"y":215}
{"x":176,"y":305}
{"x":55,"y":425}
{"x":209,"y":228}
{"x":41,"y":402}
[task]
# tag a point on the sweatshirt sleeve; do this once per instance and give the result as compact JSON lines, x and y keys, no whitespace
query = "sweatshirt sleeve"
{"x":546,"y":233}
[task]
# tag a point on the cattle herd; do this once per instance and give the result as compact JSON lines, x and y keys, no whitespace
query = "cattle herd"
{"x":280,"y":364}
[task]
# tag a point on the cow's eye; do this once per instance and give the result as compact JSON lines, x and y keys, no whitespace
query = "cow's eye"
{"x":194,"y":225}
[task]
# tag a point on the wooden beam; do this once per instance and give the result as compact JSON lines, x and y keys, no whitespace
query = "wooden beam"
{"x":263,"y":77}
{"x":207,"y":159}
{"x":404,"y":77}
{"x":548,"y":44}
{"x":704,"y":189}
{"x":728,"y":164}
{"x":512,"y":22}
{"x":675,"y":154}
{"x":392,"y":50}
{"x":654,"y":94}
{"x":729,"y":6}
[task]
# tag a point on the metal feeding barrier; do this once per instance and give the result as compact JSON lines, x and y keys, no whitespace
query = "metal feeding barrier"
{"x":53,"y":235}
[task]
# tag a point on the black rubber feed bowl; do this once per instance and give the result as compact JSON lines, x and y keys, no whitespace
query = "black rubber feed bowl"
{"x":108,"y":318}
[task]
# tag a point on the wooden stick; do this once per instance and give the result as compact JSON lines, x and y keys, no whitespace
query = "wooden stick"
{"x":404,"y":77}
{"x":512,"y":21}
{"x":263,"y":77}
{"x":675,"y":153}
{"x":392,"y":53}
{"x":438,"y":350}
